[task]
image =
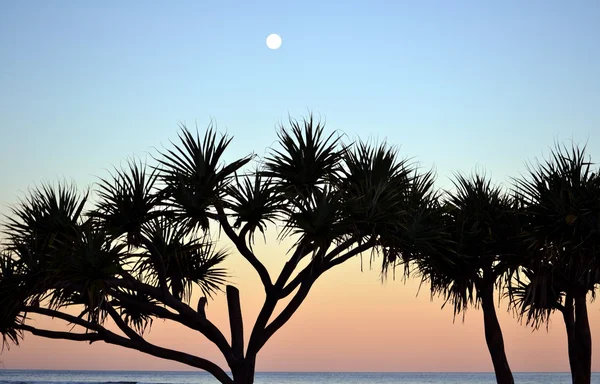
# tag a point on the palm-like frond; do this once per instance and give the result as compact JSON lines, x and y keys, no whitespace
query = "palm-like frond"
{"x":422,"y":231}
{"x":46,"y":214}
{"x":375,"y":185}
{"x":535,"y":295}
{"x":480,"y":221}
{"x":452,"y":279}
{"x":485,"y":219}
{"x":318,"y":219}
{"x":562,"y":208}
{"x":42,"y":226}
{"x":185,"y":259}
{"x":81,"y":275}
{"x":12,"y":295}
{"x":194,"y":177}
{"x":254,"y":202}
{"x":203,"y":268}
{"x":133,"y":315}
{"x":10,"y":320}
{"x":306,"y":160}
{"x":9,"y":264}
{"x":127,"y":200}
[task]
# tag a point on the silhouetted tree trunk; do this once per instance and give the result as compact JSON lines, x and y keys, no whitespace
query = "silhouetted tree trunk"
{"x":493,"y":337}
{"x":244,"y":372}
{"x":584,"y":338}
{"x":569,"y":318}
{"x":579,"y":338}
{"x":243,"y":368}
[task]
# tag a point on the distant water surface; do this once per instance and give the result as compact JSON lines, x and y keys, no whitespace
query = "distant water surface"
{"x":8,"y":376}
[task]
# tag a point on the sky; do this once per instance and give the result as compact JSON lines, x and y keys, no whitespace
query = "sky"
{"x":458,"y":86}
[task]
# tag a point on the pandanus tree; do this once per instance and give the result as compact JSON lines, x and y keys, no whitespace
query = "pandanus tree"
{"x":149,"y":239}
{"x":482,"y":226}
{"x":561,"y":214}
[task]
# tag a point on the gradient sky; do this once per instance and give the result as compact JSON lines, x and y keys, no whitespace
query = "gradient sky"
{"x":459,"y":85}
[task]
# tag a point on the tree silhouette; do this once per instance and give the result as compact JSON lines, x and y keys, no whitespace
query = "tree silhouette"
{"x":482,"y":229}
{"x":150,"y":238}
{"x":561,"y":209}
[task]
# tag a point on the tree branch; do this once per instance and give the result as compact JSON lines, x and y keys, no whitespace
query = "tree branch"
{"x":161,"y":312}
{"x":235,"y":321}
{"x":305,"y":281}
{"x":272,"y":297}
{"x":300,"y":277}
{"x":305,"y":273}
{"x":140,"y":345}
{"x":122,"y":326}
{"x":302,"y":250}
{"x":241,"y":246}
{"x":287,"y":312}
{"x":331,"y":262}
{"x":342,"y":247}
{"x":63,"y":316}
{"x":188,"y":317}
{"x":91,"y":337}
{"x":158,"y":294}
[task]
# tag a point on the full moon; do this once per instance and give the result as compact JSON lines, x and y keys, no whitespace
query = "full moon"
{"x":274,"y":41}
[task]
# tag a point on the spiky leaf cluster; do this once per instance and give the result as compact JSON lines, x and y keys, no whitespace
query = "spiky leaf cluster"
{"x":560,"y":209}
{"x":145,"y":239}
{"x":147,"y":227}
{"x":483,"y":229}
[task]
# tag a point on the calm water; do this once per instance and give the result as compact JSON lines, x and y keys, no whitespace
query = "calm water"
{"x":129,"y":377}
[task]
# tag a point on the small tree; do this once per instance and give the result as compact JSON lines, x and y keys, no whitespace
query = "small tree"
{"x":137,"y":254}
{"x":482,"y":228}
{"x":561,"y":212}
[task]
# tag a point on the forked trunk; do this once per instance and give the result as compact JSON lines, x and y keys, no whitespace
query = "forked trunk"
{"x":494,"y":339}
{"x":579,"y":339}
{"x":244,"y":374}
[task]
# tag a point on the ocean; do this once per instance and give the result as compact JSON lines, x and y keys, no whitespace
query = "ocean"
{"x":8,"y":376}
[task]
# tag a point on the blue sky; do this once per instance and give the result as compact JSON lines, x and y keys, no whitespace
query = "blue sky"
{"x":458,"y":84}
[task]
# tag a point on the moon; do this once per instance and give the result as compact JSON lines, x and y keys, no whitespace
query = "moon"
{"x":274,"y":41}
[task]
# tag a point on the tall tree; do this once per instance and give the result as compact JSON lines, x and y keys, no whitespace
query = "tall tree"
{"x":482,"y":227}
{"x":150,"y":239}
{"x":561,"y":209}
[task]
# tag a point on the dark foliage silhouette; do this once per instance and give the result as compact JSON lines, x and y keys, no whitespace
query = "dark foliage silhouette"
{"x":149,"y":239}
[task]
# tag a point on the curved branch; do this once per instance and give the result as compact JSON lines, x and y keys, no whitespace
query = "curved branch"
{"x":149,"y":307}
{"x":287,"y":312}
{"x":63,"y":316}
{"x":158,"y":294}
{"x":331,"y":262}
{"x":91,"y":337}
{"x":187,"y":315}
{"x":122,"y":325}
{"x":241,"y":246}
{"x":139,"y":345}
{"x":307,"y":272}
{"x":302,"y":250}
{"x":273,"y":296}
{"x":342,"y":247}
{"x":181,"y":357}
{"x":300,"y":277}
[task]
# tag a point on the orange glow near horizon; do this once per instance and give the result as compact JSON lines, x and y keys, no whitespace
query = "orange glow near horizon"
{"x":351,"y":321}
